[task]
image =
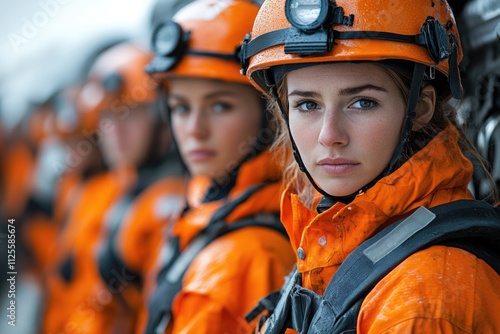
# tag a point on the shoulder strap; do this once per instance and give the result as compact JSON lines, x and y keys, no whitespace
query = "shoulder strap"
{"x":171,"y":276}
{"x":471,"y":225}
{"x":460,"y":224}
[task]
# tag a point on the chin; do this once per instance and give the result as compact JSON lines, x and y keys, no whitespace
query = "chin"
{"x":340,"y":191}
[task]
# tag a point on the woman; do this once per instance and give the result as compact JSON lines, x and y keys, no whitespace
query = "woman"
{"x":362,"y":86}
{"x":223,"y":133}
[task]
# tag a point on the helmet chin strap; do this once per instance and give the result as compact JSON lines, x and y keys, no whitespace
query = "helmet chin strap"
{"x":329,"y":200}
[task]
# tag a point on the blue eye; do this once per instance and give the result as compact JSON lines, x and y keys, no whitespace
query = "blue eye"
{"x":364,"y":104}
{"x":178,"y":109}
{"x":221,"y":107}
{"x":306,"y":106}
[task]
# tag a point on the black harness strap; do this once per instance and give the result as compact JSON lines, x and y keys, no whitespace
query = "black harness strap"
{"x":470,"y":225}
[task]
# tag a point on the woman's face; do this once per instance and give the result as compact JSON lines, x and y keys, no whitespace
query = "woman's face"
{"x":128,"y":135}
{"x":346,"y":120}
{"x":215,"y":123}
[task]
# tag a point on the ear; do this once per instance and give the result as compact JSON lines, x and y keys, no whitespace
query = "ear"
{"x":425,"y":107}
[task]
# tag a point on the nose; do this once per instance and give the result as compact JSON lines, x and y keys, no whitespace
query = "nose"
{"x":197,"y":125}
{"x":333,"y":129}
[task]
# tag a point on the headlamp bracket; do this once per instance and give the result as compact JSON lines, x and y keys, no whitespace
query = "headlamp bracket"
{"x":319,"y":41}
{"x":338,"y":17}
{"x":437,"y":40}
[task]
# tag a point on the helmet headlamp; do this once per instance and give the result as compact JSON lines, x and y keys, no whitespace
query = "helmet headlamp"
{"x":307,"y":15}
{"x":167,"y":38}
{"x":171,"y":43}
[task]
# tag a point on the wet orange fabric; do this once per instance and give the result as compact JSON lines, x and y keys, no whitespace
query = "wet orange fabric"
{"x":234,"y":272}
{"x":79,"y":235}
{"x":437,"y":290}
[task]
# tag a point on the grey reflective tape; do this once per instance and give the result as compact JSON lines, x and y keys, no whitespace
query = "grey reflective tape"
{"x":162,"y":326}
{"x":411,"y":225}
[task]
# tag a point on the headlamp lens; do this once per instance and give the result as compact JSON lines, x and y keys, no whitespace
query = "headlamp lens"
{"x":306,"y":14}
{"x":166,"y":38}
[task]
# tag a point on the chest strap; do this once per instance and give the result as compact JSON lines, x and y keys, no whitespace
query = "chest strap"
{"x":470,"y":225}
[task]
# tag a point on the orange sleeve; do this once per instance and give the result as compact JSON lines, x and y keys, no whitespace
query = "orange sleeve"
{"x":228,"y":278}
{"x":438,"y":290}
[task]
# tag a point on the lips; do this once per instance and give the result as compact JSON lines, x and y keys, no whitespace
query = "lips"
{"x":337,"y":165}
{"x":200,"y":154}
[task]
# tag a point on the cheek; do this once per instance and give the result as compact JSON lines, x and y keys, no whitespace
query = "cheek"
{"x":177,"y":130}
{"x":243,"y":128}
{"x":304,"y":134}
{"x":138,"y":134}
{"x":237,"y":139}
{"x":380,"y":141}
{"x":110,"y":137}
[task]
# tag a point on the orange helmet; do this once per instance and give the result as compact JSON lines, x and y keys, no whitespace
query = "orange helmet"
{"x":116,"y":80}
{"x":317,"y":31}
{"x":202,"y":40}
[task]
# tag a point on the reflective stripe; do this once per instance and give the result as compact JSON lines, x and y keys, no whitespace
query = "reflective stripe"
{"x":411,"y":225}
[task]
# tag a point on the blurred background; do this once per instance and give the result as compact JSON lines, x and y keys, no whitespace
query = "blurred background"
{"x":48,"y":47}
{"x":48,"y":44}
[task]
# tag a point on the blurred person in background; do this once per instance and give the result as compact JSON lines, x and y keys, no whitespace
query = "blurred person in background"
{"x":135,"y":146}
{"x":27,"y":176}
{"x":66,"y":128}
{"x":23,"y":144}
{"x":227,"y":249}
{"x":29,"y":191}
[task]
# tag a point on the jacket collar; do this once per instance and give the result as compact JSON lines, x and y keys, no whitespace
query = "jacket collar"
{"x":437,"y":174}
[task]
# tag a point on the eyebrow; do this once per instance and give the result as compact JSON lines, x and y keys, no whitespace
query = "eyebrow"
{"x":209,"y":96}
{"x":220,"y":93}
{"x":343,"y":91}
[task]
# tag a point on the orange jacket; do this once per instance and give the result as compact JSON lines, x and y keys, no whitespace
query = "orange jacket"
{"x":229,"y":276}
{"x":437,"y":290}
{"x":77,"y":239}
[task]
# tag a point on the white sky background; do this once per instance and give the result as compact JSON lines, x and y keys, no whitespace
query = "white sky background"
{"x":44,"y":43}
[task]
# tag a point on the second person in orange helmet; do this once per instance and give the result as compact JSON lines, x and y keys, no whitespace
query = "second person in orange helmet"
{"x":230,"y":225}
